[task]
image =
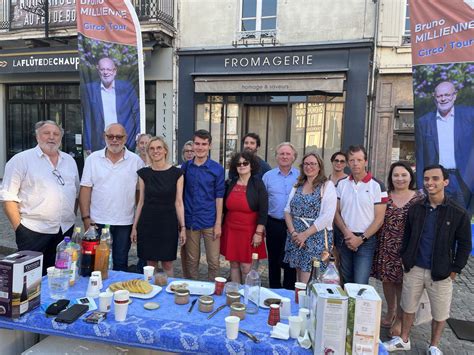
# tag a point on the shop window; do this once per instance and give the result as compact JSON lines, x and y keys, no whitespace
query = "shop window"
{"x":258,"y":18}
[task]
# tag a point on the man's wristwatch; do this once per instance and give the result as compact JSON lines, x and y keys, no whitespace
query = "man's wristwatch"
{"x":364,"y":238}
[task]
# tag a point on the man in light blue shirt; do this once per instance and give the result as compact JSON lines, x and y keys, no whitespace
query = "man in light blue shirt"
{"x":279,"y":182}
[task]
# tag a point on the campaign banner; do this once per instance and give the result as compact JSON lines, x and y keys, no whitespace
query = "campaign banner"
{"x":442,"y":40}
{"x":111,"y":70}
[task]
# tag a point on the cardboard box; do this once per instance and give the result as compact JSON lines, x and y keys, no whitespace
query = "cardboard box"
{"x":20,"y":283}
{"x":363,"y":319}
{"x":328,"y":319}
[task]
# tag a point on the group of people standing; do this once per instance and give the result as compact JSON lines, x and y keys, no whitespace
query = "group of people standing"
{"x":408,"y":239}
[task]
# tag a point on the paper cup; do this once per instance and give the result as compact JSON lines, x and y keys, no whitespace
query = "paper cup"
{"x":99,"y":275}
{"x":105,"y":301}
{"x":219,"y":283}
{"x":295,"y":326}
{"x":121,"y":299}
{"x":304,"y":315}
{"x":299,"y":286}
{"x":93,"y":288}
{"x":232,"y":327}
{"x":148,"y":272}
{"x":285,"y":310}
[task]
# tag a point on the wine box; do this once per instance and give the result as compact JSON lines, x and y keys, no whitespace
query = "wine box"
{"x":20,"y":283}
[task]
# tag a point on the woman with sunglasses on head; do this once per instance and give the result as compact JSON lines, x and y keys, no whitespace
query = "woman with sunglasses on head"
{"x":309,"y":212}
{"x":387,"y":264}
{"x":246,"y":209}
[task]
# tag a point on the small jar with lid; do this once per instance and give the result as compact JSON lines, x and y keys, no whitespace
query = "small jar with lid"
{"x":238,"y":309}
{"x":232,"y":297}
{"x":206,"y":304}
{"x":181,"y":296}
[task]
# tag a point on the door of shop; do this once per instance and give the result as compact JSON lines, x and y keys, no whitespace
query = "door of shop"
{"x":271,"y":123}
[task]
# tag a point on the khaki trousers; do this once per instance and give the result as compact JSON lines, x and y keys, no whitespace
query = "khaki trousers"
{"x":193,"y":252}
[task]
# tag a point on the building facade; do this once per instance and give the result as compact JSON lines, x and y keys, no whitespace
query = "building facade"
{"x":392,"y":137}
{"x":287,"y":70}
{"x":39,"y":76}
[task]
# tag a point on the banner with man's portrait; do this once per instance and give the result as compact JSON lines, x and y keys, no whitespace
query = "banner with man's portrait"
{"x":442,"y":35}
{"x":111,"y":70}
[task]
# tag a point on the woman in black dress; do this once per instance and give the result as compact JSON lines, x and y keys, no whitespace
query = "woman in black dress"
{"x":160,"y":211}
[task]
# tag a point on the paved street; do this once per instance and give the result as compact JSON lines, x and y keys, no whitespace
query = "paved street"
{"x":462,"y":307}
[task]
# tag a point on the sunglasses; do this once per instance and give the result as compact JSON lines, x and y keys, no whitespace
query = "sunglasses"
{"x":111,"y":137}
{"x":244,"y":163}
{"x":338,"y":161}
{"x":59,"y":177}
{"x":312,"y":164}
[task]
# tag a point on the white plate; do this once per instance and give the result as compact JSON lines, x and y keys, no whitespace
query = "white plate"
{"x":195,"y":287}
{"x":264,"y":294}
{"x":156,"y":290}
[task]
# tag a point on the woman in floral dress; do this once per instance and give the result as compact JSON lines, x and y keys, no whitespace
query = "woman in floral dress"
{"x":387,"y":264}
{"x":309,"y":211}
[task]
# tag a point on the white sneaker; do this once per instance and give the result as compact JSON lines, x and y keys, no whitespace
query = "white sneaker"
{"x":397,"y":344}
{"x":433,"y":350}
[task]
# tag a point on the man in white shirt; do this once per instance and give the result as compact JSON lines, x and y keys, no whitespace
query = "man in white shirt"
{"x":39,"y":193}
{"x":108,"y":192}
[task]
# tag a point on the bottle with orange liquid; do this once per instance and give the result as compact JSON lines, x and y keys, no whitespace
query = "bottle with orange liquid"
{"x":102,"y":255}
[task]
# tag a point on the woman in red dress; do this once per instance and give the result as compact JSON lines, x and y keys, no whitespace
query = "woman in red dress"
{"x":245,"y":209}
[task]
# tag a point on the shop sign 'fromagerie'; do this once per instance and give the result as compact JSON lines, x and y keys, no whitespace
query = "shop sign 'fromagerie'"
{"x":268,"y":61}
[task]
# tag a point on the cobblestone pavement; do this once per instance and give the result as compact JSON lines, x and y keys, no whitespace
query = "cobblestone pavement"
{"x":462,"y":306}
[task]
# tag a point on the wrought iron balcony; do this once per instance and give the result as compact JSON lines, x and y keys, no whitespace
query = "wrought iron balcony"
{"x":20,"y":15}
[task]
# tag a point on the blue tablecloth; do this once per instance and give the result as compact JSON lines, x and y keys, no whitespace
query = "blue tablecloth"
{"x":170,"y":328}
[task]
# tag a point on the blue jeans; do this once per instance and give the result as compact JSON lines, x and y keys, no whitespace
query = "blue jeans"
{"x":356,"y":266}
{"x":120,"y":245}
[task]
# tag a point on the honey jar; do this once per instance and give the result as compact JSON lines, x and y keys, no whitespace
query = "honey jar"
{"x":237,"y":309}
{"x":181,"y":296}
{"x":206,"y":304}
{"x":232,"y":297}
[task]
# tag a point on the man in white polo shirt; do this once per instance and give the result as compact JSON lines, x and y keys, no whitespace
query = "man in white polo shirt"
{"x":108,"y":191}
{"x":39,"y":193}
{"x":360,"y":212}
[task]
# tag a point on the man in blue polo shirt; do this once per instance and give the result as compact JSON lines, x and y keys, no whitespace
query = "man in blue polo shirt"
{"x":279,"y":182}
{"x":203,"y":200}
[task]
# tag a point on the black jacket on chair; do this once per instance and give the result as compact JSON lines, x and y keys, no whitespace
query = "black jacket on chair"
{"x":257,"y":197}
{"x":452,"y":244}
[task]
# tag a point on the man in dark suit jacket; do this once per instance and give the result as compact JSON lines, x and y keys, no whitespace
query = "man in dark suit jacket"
{"x":106,"y":102}
{"x":446,"y":137}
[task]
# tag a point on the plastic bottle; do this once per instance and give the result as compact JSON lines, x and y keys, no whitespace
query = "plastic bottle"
{"x":90,"y":242}
{"x":331,"y":275}
{"x":252,"y":287}
{"x":109,"y":243}
{"x":74,"y":248}
{"x":102,"y":255}
{"x":314,"y":277}
{"x":62,"y":269}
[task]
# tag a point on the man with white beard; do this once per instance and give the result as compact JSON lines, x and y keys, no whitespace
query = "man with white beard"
{"x":39,"y":193}
{"x":108,"y":191}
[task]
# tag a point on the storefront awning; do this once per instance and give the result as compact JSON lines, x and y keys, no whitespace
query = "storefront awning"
{"x":330,"y":83}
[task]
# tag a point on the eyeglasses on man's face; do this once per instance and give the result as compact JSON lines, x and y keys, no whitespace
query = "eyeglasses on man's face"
{"x":58,"y":177}
{"x":117,"y":137}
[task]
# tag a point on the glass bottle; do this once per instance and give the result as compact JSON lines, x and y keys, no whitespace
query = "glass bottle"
{"x":24,"y":304}
{"x":109,"y":243}
{"x":314,"y":277}
{"x":252,"y":287}
{"x":331,"y":275}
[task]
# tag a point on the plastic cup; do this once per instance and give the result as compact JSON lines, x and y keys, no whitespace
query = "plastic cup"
{"x":232,"y":327}
{"x":295,"y":326}
{"x":148,"y":272}
{"x":299,"y":286}
{"x":302,"y":299}
{"x":285,"y":310}
{"x":219,"y":284}
{"x":105,"y":301}
{"x":99,"y":275}
{"x":93,"y":288}
{"x":121,"y":299}
{"x":304,"y":314}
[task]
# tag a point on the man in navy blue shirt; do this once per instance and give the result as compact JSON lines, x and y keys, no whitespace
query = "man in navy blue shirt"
{"x":203,"y":200}
{"x":436,"y":247}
